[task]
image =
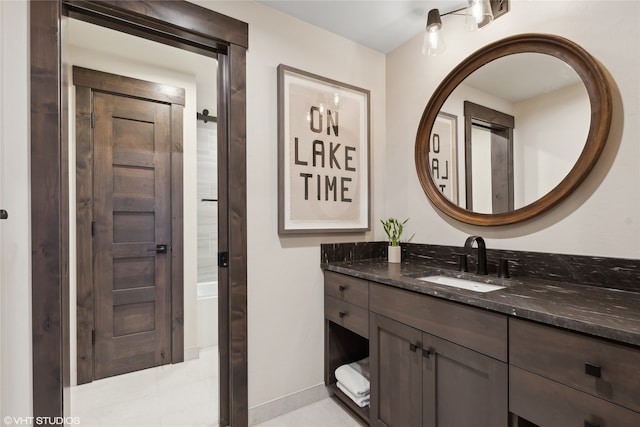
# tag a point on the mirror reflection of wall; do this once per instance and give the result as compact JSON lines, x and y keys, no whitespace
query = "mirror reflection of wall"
{"x":551,"y":132}
{"x":552,"y":110}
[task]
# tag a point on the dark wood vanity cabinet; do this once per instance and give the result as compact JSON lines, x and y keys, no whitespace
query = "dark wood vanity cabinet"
{"x":438,"y":363}
{"x":562,"y":378}
{"x":462,"y":387}
{"x":346,"y":312}
{"x":396,"y":373}
{"x":420,"y":379}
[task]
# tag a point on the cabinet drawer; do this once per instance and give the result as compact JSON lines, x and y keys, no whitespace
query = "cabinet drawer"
{"x":471,"y":327}
{"x":577,"y":360}
{"x":549,"y":404}
{"x":350,"y":316}
{"x":346,"y":288}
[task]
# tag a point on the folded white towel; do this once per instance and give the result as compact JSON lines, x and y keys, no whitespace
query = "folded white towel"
{"x":361,"y":401}
{"x":355,"y":377}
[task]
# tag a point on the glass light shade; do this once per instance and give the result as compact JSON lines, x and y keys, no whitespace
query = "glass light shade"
{"x":478,"y":14}
{"x":433,"y":43}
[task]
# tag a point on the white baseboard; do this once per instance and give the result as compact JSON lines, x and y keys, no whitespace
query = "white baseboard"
{"x":191,"y":353}
{"x":291,"y":402}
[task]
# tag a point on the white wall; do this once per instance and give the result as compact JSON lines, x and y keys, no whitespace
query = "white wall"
{"x":603,"y":216}
{"x":15,"y":246}
{"x":285,"y":287}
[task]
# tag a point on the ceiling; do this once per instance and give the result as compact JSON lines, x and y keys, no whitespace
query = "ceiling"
{"x":381,"y":25}
{"x":384,"y":25}
{"x":393,"y":21}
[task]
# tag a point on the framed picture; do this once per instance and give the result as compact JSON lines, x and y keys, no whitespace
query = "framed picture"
{"x":443,"y":160}
{"x":323,"y":154}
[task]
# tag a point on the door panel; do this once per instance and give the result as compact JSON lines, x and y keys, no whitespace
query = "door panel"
{"x":462,"y":387}
{"x":132,"y":216}
{"x":396,"y":381}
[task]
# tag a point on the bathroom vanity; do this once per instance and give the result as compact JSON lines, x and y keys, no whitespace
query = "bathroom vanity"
{"x":556,"y":345}
{"x":535,"y":353}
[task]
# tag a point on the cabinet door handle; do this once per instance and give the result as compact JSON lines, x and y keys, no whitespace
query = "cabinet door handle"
{"x":342,"y":288}
{"x":342,"y":314}
{"x":588,"y":423}
{"x":413,"y":347}
{"x":592,"y":369}
{"x":426,"y":353}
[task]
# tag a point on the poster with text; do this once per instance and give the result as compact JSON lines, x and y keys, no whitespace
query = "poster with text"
{"x":323,"y":144}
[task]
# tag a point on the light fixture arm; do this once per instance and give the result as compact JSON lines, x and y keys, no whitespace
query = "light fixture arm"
{"x":433,"y":43}
{"x":498,"y":7}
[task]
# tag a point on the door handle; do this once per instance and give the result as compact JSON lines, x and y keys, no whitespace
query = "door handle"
{"x":4,"y":214}
{"x":160,"y":249}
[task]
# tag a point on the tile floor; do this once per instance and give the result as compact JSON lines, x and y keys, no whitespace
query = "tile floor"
{"x":181,"y":395}
{"x":325,"y":413}
{"x":185,"y":394}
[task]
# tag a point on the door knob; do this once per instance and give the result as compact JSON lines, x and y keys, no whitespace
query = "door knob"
{"x":4,"y":214}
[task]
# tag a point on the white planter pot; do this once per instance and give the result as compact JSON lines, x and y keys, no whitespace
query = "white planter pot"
{"x":394,"y":254}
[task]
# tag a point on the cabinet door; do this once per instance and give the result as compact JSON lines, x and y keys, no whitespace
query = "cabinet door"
{"x":461,"y":387}
{"x":396,"y":380}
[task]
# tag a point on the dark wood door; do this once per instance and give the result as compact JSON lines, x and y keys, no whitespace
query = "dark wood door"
{"x":462,"y":387}
{"x":396,"y":380}
{"x":132,"y":234}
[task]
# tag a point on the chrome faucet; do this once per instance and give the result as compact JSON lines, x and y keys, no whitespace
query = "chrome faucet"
{"x":482,"y":252}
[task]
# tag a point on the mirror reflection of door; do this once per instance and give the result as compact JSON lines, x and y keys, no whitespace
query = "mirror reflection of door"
{"x":488,"y":159}
{"x":178,"y":393}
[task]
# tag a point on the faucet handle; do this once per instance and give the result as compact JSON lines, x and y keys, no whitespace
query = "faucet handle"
{"x":503,"y":270}
{"x":462,"y":261}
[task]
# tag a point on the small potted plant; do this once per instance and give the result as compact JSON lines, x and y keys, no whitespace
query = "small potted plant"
{"x":394,"y":229}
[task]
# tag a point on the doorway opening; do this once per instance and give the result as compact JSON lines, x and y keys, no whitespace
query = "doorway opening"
{"x":132,"y":312}
{"x":186,"y":26}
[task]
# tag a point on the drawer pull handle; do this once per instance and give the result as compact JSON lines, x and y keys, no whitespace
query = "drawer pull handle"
{"x":342,"y":288}
{"x":413,"y":347}
{"x":593,"y":370}
{"x":426,"y":353}
{"x":342,"y":314}
{"x":588,"y":423}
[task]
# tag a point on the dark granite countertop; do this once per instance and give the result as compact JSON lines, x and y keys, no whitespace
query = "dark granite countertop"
{"x":602,"y":312}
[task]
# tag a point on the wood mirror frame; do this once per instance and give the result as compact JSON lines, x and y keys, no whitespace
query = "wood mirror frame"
{"x":596,"y":83}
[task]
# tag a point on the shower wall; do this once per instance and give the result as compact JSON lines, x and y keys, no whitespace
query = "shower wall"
{"x":207,"y":234}
{"x":207,"y":209}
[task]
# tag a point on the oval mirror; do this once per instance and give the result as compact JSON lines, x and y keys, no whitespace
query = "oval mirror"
{"x":513,"y":129}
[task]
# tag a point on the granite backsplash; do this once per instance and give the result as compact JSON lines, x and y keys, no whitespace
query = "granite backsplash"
{"x":614,"y":273}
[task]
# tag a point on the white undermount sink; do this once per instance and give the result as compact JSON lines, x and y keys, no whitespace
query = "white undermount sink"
{"x":461,"y":283}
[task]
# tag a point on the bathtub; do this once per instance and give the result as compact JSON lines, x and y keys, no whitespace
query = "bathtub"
{"x":207,"y":314}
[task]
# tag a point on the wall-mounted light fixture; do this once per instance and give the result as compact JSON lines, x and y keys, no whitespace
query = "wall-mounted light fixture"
{"x":478,"y":14}
{"x":433,"y":43}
